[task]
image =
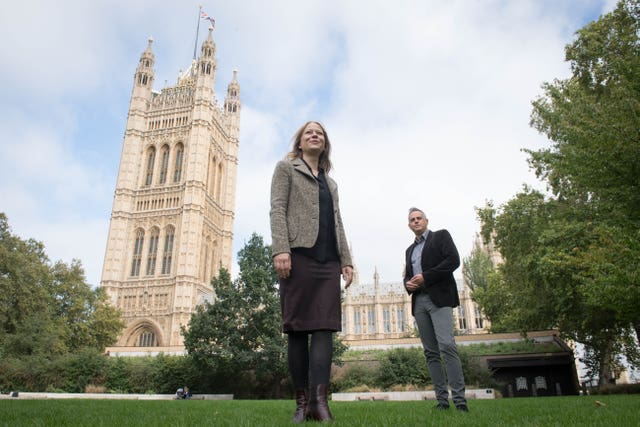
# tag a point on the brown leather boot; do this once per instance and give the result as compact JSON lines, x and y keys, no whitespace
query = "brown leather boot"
{"x":322,"y":411}
{"x":302,"y":401}
{"x":311,"y":411}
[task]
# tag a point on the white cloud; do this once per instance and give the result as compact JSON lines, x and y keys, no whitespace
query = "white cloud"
{"x":50,"y":193}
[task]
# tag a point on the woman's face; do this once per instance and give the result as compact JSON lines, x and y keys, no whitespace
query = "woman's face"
{"x":312,"y":139}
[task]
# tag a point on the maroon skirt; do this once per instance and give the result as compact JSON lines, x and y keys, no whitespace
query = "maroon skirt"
{"x":310,"y":297}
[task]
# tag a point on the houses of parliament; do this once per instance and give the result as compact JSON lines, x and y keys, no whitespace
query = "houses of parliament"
{"x":171,"y":226}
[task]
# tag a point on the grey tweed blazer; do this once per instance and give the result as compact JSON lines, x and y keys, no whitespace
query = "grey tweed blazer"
{"x":295,"y":210}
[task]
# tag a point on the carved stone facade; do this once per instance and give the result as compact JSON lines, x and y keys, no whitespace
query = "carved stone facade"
{"x":172,"y":220}
{"x":382,"y":311}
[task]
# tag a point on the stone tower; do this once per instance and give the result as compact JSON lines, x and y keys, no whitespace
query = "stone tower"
{"x":172,"y":221}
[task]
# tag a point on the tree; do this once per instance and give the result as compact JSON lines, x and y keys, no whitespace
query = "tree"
{"x":240,"y":331}
{"x":571,"y":257}
{"x":477,"y":267}
{"x":45,"y":309}
{"x":592,"y":119}
{"x":558,"y":272}
{"x":89,"y":320}
{"x":24,"y":301}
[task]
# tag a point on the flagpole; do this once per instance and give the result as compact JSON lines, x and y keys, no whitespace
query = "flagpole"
{"x":195,"y":46}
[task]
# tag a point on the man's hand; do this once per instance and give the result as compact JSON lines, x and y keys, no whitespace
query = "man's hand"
{"x":282,"y":264}
{"x":414,"y":283}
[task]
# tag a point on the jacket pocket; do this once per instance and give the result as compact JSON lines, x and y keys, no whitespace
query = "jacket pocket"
{"x":292,"y":229}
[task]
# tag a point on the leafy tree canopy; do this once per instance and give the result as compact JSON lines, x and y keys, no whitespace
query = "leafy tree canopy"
{"x":571,"y":257}
{"x":48,"y":309}
{"x":240,"y":331}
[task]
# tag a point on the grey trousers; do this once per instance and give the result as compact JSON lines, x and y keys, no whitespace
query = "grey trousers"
{"x":435,"y":325}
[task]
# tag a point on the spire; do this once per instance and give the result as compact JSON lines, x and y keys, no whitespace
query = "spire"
{"x":206,"y":66}
{"x":232,"y":101}
{"x":376,"y":280}
{"x":232,"y":105}
{"x":144,"y":73}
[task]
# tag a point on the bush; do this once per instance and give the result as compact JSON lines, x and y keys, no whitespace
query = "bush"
{"x":617,"y":389}
{"x":81,"y":369}
{"x":172,"y":372}
{"x":403,"y":366}
{"x":117,"y":378}
{"x":475,"y":374}
{"x":355,"y":376}
{"x":397,"y":369}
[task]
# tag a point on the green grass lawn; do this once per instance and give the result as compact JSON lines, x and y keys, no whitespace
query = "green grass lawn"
{"x":617,"y":411}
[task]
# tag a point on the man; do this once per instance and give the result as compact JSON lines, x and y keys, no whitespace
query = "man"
{"x":430,"y":263}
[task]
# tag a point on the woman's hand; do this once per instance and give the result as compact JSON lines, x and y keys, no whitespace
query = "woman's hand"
{"x":347,"y":275}
{"x":282,"y":264}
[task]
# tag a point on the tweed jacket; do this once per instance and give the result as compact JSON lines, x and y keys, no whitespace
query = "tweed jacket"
{"x":439,"y":259}
{"x":295,"y":210}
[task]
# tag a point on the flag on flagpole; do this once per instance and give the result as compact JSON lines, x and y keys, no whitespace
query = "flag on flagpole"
{"x":205,"y":17}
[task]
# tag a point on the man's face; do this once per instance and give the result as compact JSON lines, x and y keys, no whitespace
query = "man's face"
{"x":417,"y":222}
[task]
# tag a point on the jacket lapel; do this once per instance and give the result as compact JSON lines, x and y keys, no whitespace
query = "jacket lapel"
{"x":301,"y":167}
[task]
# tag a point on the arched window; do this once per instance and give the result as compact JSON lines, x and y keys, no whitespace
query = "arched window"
{"x":147,"y":339}
{"x":386,"y":320}
{"x":478,"y":316}
{"x":219,"y":183}
{"x":137,"y":253}
{"x":168,"y":250}
{"x":151,"y":158}
{"x":400,"y":316}
{"x":205,"y":264}
{"x":462,"y":321}
{"x":357,"y":322}
{"x":177,"y":170}
{"x":153,"y":252}
{"x":212,"y":177}
{"x":371,"y":315}
{"x":164,"y":165}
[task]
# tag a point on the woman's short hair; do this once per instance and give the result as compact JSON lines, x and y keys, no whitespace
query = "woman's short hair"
{"x":296,"y":151}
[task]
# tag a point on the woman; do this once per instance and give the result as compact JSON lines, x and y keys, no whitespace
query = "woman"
{"x":309,"y":252}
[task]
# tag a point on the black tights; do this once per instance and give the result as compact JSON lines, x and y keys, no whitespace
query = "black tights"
{"x":310,"y":363}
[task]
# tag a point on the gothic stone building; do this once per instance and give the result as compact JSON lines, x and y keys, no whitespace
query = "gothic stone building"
{"x":378,"y":314}
{"x":172,"y":219}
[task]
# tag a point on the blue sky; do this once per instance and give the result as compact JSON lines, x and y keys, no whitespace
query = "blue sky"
{"x":427,"y":103}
